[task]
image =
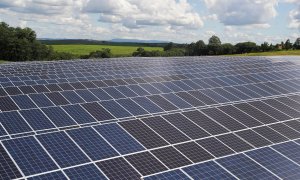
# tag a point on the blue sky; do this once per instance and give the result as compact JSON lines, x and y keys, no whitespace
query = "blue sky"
{"x":181,"y":21}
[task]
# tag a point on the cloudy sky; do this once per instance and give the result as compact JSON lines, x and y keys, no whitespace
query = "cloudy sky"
{"x":181,"y":21}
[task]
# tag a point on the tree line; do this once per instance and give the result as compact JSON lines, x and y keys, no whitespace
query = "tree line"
{"x":216,"y":47}
{"x":21,"y":44}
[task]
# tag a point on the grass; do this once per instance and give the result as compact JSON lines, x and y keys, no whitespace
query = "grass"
{"x":273,"y":53}
{"x":2,"y":61}
{"x":86,"y":49}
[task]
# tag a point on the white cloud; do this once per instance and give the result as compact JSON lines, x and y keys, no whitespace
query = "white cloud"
{"x":294,"y":15}
{"x":246,"y":12}
{"x":137,"y":13}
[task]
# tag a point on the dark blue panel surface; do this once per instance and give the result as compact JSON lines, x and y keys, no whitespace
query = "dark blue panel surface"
{"x":92,"y":143}
{"x":89,"y":171}
{"x":244,"y":168}
{"x":72,"y":97}
{"x":58,"y":116}
{"x":41,"y":100}
{"x":29,"y":155}
{"x":276,"y":163}
{"x":207,"y":171}
{"x":62,"y":149}
{"x":14,"y":123}
{"x":169,"y":175}
{"x":115,"y":109}
{"x":36,"y":119}
{"x":24,"y":102}
{"x":79,"y":114}
{"x":57,"y":175}
{"x":119,"y":138}
{"x":132,"y":107}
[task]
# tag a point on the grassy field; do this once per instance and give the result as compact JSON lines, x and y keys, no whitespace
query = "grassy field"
{"x":273,"y":53}
{"x":86,"y":49}
{"x":2,"y":61}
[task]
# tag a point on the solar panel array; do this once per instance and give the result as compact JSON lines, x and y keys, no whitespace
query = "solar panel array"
{"x":151,"y":118}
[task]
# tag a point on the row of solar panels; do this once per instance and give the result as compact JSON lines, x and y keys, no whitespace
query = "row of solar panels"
{"x":63,"y":150}
{"x":221,"y":71}
{"x":97,"y":73}
{"x":84,"y":113}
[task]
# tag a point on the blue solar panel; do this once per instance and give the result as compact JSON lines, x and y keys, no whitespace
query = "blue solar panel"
{"x":102,"y":95}
{"x":244,"y":168}
{"x":79,"y":114}
{"x":115,"y":109}
{"x":138,"y":90}
{"x":276,"y":163}
{"x":41,"y":100}
{"x":24,"y":102}
{"x":29,"y":155}
{"x":161,"y":87}
{"x":177,"y":101}
{"x":59,"y":146}
{"x":57,"y":175}
{"x":92,"y":143}
{"x":172,"y":86}
{"x":290,"y":150}
{"x":208,"y":170}
{"x":56,"y":114}
{"x":113,"y":92}
{"x":170,"y":175}
{"x":87,"y":95}
{"x":13,"y":122}
{"x":72,"y":97}
{"x":126,"y":91}
{"x":119,"y":138}
{"x":36,"y":119}
{"x":132,"y":107}
{"x":89,"y":171}
{"x":151,"y":89}
{"x":147,"y":104}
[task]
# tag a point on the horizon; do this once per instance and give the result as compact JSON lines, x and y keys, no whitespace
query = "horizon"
{"x":179,"y":21}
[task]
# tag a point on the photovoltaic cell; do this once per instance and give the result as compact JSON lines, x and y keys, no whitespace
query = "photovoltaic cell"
{"x":119,"y":138}
{"x":79,"y":114}
{"x":215,"y":147}
{"x":143,"y":134}
{"x":205,"y":122}
{"x":290,"y":150}
{"x":98,"y":111}
{"x":244,"y":168}
{"x":223,"y":119}
{"x":177,"y":101}
{"x":162,"y":102}
{"x":87,"y":95}
{"x":194,"y":152}
{"x":89,"y":171}
{"x":41,"y":100}
{"x":56,"y":114}
{"x":29,"y":155}
{"x":285,"y":130}
{"x":132,"y":107}
{"x":72,"y":97}
{"x":114,"y":108}
{"x":207,"y":171}
{"x":14,"y":123}
{"x":270,"y":134}
{"x":8,"y":170}
{"x":276,"y":163}
{"x":59,"y":146}
{"x":253,"y":138}
{"x":165,"y":129}
{"x":36,"y":119}
{"x":118,"y":168}
{"x":57,"y":98}
{"x":7,"y":104}
{"x":171,"y":157}
{"x":92,"y":143}
{"x":234,"y":142}
{"x":145,"y":163}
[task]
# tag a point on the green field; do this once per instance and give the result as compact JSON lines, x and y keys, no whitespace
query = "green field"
{"x":2,"y":61}
{"x":86,"y":49}
{"x":272,"y":53}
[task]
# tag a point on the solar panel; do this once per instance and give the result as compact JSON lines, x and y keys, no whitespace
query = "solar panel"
{"x":152,"y":118}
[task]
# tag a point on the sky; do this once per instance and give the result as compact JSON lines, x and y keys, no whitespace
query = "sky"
{"x":181,"y":21}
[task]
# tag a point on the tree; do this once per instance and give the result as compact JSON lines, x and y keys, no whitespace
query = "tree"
{"x":297,"y":44}
{"x":228,"y":48}
{"x":19,"y":44}
{"x":214,"y":45}
{"x":265,"y":47}
{"x":200,"y":48}
{"x":288,"y":45}
{"x":246,"y":47}
{"x":169,"y":46}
